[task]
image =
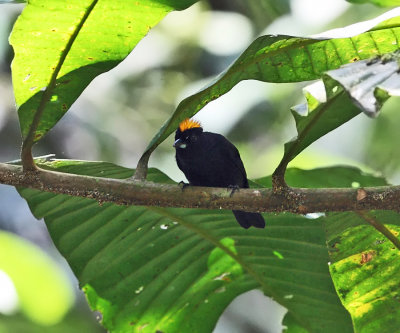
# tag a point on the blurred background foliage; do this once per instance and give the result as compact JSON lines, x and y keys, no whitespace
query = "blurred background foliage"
{"x":120,"y":111}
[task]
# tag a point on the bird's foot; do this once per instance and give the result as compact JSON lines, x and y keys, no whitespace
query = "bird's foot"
{"x":233,"y":189}
{"x":183,"y":185}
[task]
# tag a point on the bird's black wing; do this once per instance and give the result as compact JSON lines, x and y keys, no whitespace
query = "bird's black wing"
{"x":231,"y":155}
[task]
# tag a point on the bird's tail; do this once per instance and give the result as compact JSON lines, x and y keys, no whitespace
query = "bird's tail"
{"x":247,"y":219}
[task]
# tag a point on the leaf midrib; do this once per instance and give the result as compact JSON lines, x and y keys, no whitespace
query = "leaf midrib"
{"x":266,"y":288}
{"x":30,"y":138}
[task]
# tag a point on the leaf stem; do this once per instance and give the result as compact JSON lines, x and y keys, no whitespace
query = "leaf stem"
{"x":279,"y":174}
{"x":142,"y":167}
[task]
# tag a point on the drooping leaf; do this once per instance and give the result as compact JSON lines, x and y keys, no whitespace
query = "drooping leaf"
{"x":370,"y":82}
{"x":287,"y":59}
{"x":149,"y":269}
{"x":60,"y":48}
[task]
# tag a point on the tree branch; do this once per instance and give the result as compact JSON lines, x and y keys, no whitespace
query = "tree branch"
{"x":128,"y":192}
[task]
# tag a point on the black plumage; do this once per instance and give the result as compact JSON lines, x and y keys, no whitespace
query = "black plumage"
{"x":209,"y":159}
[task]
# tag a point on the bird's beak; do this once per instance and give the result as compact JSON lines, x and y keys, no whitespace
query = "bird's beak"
{"x":179,"y":144}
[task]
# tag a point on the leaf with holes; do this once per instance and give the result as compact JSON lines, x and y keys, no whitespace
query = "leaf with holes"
{"x":147,"y":268}
{"x":57,"y":57}
{"x":364,"y":264}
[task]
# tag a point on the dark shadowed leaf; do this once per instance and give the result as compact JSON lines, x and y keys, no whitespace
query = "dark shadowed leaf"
{"x":149,"y":269}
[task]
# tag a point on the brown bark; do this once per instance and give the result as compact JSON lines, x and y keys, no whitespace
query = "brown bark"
{"x":130,"y":192}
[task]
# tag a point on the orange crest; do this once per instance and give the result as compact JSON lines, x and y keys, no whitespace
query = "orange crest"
{"x":188,"y":124}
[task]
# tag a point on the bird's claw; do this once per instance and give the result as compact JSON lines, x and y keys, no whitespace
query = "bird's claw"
{"x":233,"y":189}
{"x":183,"y":185}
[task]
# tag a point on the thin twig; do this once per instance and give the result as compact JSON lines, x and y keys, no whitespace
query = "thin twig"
{"x":380,"y":227}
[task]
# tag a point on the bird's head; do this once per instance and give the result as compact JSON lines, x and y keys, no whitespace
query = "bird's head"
{"x":187,"y":133}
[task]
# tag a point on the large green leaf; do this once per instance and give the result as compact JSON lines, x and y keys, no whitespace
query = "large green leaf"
{"x":60,"y":47}
{"x":365,"y":266}
{"x":175,"y":270}
{"x":286,"y":59}
{"x":366,"y":269}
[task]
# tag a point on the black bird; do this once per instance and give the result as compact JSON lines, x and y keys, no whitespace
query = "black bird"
{"x":209,"y":159}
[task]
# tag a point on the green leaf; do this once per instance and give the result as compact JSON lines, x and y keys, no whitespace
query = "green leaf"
{"x":365,"y":266}
{"x":76,"y":321}
{"x":287,"y":59}
{"x":57,"y":57}
{"x":149,"y":268}
{"x":382,"y":155}
{"x":318,"y":117}
{"x":382,"y":3}
{"x":361,"y":86}
{"x":327,"y":108}
{"x":370,"y":82}
{"x":291,"y":325}
{"x":34,"y":275}
{"x":366,"y":270}
{"x":11,"y":1}
{"x":329,"y":177}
